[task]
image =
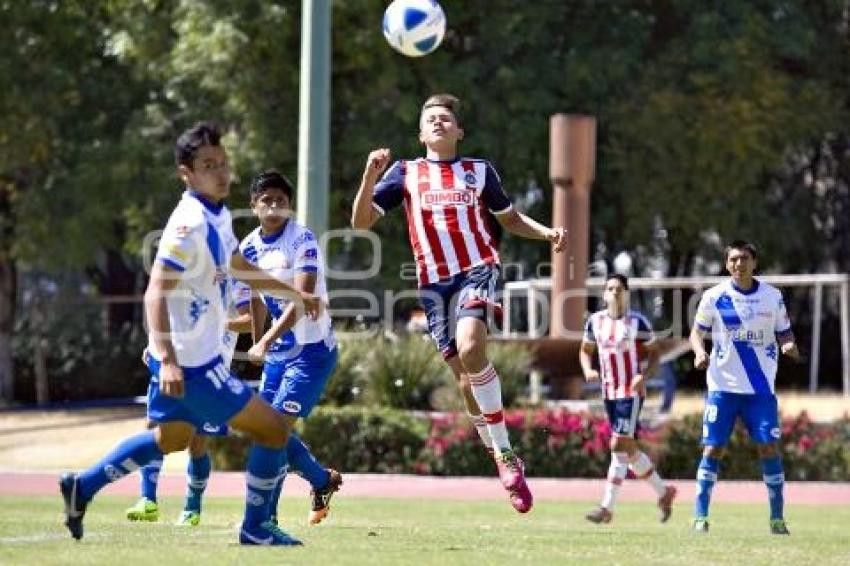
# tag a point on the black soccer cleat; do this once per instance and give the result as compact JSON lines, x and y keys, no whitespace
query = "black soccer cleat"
{"x":75,"y":507}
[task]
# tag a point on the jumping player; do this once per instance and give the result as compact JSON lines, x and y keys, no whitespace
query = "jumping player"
{"x":446,"y":199}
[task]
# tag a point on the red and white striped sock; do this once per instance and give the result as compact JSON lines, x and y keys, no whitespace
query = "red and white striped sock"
{"x":616,"y":474}
{"x":487,"y":390}
{"x":481,"y":428}
{"x":644,"y":470}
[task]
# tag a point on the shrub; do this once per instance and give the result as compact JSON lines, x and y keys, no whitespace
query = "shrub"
{"x":553,"y":443}
{"x":353,"y":439}
{"x":403,"y":374}
{"x":409,"y":373}
{"x":347,"y":382}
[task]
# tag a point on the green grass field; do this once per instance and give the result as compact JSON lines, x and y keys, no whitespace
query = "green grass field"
{"x":386,"y":531}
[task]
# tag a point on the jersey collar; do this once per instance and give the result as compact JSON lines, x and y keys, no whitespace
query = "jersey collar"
{"x":274,"y":236}
{"x":212,"y":207}
{"x":454,"y":159}
{"x":749,"y":291}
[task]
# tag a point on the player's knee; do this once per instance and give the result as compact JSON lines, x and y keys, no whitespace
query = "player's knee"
{"x":173,"y":443}
{"x":198,"y":446}
{"x":472,"y":354}
{"x":173,"y":437}
{"x":715,"y":452}
{"x":768,"y":450}
{"x":272,"y":438}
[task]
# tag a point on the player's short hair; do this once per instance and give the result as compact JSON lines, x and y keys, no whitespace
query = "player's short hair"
{"x":270,"y":179}
{"x":190,"y":141}
{"x":624,"y":281}
{"x":445,"y":100}
{"x":741,"y":245}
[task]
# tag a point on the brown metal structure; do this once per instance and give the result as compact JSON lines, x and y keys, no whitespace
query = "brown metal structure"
{"x":572,"y":161}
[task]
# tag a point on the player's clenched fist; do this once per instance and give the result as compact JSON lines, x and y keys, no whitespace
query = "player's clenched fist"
{"x":558,"y":237}
{"x":376,"y":163}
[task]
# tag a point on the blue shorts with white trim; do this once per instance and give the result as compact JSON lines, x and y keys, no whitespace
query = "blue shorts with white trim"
{"x":722,"y":408}
{"x":212,"y":396}
{"x":294,"y":386}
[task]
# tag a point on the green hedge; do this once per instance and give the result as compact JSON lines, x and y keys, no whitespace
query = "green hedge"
{"x":554,"y":443}
{"x":409,"y":373}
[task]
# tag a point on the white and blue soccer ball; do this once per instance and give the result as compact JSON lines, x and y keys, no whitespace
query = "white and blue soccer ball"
{"x":414,"y":27}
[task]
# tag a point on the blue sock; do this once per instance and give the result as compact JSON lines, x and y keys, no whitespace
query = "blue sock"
{"x":150,"y":479}
{"x":278,"y":486}
{"x":260,"y":479}
{"x":301,"y":460}
{"x":706,"y":478}
{"x":198,"y":472}
{"x":124,"y":459}
{"x":774,"y":479}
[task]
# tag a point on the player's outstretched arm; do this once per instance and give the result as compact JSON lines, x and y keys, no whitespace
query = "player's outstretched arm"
{"x":260,"y":280}
{"x":526,"y":227}
{"x":241,"y":323}
{"x":363,"y":215}
{"x":305,"y":282}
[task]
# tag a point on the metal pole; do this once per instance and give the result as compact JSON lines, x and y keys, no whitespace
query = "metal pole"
{"x":506,"y":313}
{"x":845,"y":336}
{"x":314,"y":115}
{"x":535,"y":379}
{"x":816,"y":322}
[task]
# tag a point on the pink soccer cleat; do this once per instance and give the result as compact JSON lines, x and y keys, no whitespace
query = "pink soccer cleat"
{"x":511,"y":469}
{"x":512,"y":475}
{"x":521,"y":498}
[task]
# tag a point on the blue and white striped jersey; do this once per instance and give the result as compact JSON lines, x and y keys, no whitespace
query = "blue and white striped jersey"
{"x":744,"y":326}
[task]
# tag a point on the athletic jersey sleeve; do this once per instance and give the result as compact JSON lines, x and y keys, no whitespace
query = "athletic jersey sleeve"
{"x":493,"y":195}
{"x":306,"y":254}
{"x":704,"y":318}
{"x":178,"y":246}
{"x":248,"y":250}
{"x":389,"y":191}
{"x":783,"y":322}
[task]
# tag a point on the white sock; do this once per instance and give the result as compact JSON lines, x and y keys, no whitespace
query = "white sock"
{"x":643,"y":469}
{"x":487,"y":390}
{"x":616,"y":474}
{"x":481,"y":428}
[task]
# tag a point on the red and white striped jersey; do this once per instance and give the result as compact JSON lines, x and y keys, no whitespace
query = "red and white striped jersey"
{"x":619,"y":342}
{"x":445,"y":206}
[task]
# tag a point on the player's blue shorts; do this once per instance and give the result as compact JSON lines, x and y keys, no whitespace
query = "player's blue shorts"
{"x":212,"y":396}
{"x":623,"y":414}
{"x":722,"y":408}
{"x":295,"y":385}
{"x":469,"y":293}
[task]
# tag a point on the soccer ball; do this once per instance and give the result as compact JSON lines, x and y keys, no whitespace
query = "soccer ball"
{"x":414,"y":27}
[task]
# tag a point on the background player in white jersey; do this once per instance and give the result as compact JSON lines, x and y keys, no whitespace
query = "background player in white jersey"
{"x":623,"y":338}
{"x":748,"y":326}
{"x":185,"y":305}
{"x":298,"y":356}
{"x":199,"y":466}
{"x":447,"y":199}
